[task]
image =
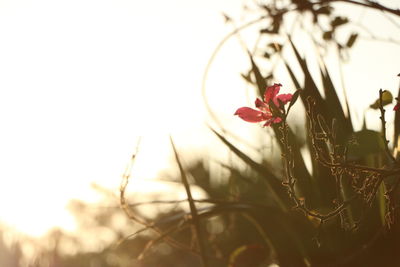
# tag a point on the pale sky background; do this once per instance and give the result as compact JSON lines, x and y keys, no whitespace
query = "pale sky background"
{"x":81,"y":80}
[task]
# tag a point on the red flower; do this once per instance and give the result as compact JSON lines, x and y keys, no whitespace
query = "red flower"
{"x":264,"y":112}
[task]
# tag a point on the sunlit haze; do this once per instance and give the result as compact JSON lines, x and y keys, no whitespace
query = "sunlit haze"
{"x":82,"y":80}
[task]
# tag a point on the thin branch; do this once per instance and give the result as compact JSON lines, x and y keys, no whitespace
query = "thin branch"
{"x":368,"y":4}
{"x":385,"y":141}
{"x":291,"y":181}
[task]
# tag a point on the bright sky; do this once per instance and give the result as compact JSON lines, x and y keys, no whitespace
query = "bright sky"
{"x":81,"y":80}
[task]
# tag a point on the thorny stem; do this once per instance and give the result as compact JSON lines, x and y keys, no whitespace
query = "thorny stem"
{"x":290,"y":182}
{"x":335,"y":156}
{"x":343,"y":165}
{"x":373,"y":177}
{"x":391,"y":206}
{"x":385,"y":141}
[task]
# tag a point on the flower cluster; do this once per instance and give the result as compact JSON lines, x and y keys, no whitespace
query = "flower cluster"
{"x":264,"y":112}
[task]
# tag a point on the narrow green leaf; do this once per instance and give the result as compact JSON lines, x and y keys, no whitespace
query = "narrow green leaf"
{"x":193,"y":210}
{"x":310,"y":88}
{"x":364,"y":126}
{"x":292,"y":76}
{"x":294,"y":98}
{"x":334,"y":105}
{"x":260,"y":81}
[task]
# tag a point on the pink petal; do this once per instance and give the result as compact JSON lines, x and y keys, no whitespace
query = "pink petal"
{"x":251,"y":115}
{"x":271,"y":92}
{"x":284,"y":98}
{"x":262,"y":106}
{"x":272,"y":120}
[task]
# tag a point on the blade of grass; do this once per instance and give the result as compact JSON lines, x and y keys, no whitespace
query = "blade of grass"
{"x":193,"y":210}
{"x":293,"y":77}
{"x":334,"y":105}
{"x":260,"y":81}
{"x":309,"y":88}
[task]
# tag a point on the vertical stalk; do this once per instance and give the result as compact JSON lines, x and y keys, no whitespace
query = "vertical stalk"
{"x":385,"y":141}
